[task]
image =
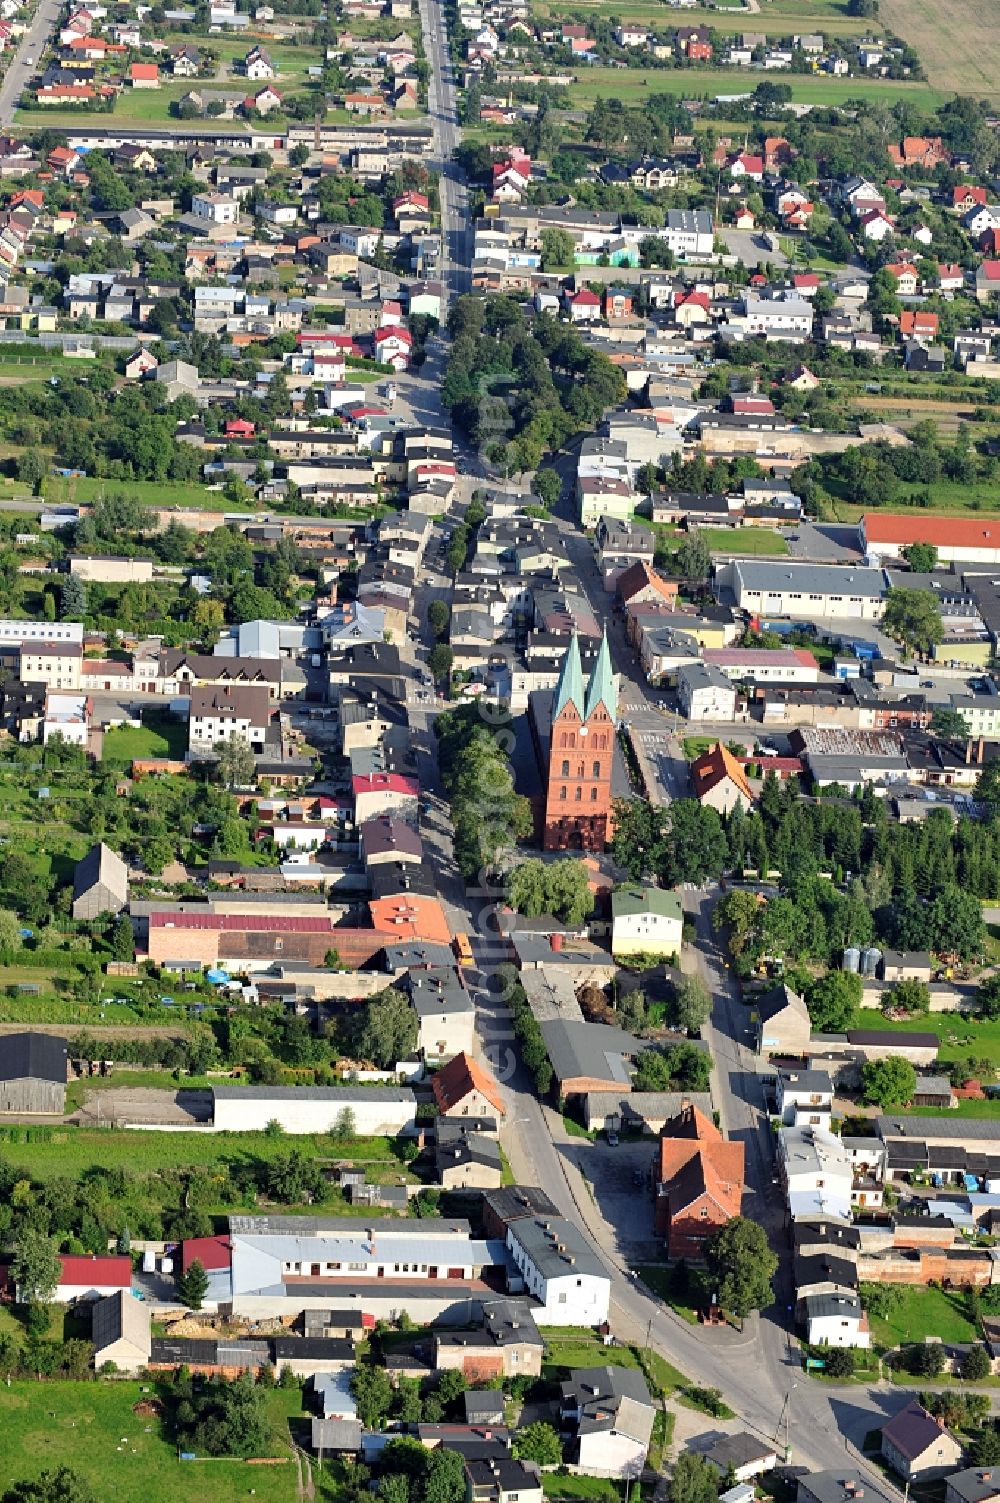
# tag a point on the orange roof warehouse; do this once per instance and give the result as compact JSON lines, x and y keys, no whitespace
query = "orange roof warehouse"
{"x":960,"y":540}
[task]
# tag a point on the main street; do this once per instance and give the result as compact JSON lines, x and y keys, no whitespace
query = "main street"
{"x":22,"y":61}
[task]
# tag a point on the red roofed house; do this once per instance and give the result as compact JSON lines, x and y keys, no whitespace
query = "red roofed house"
{"x":916,"y":324}
{"x":747,"y":165}
{"x":968,"y":197}
{"x":409,"y":915}
{"x":382,"y":793}
{"x":463,"y":1088}
{"x":91,"y":48}
{"x":719,"y":781}
{"x":640,"y":585}
{"x":392,"y":346}
{"x":797,"y":216}
{"x":91,"y":1278}
{"x":699,"y":1182}
{"x":144,"y":75}
{"x":239,"y":428}
{"x":751,"y":405}
{"x":697,"y":49}
{"x":693,"y":308}
{"x":744,"y":219}
{"x":63,"y":159}
{"x":65,"y":94}
{"x":584,"y":307}
{"x":987,"y":280}
{"x":906,"y":277}
{"x":806,"y":283}
{"x":777,"y":152}
{"x":951,"y":278}
{"x":875,"y":225}
{"x":411,"y":200}
{"x":919,"y":151}
{"x":264,"y":101}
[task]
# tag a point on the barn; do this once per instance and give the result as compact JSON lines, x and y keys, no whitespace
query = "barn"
{"x":100,"y":883}
{"x":32,"y":1073}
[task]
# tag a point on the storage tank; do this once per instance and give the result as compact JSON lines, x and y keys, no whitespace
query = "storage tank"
{"x":852,"y":958}
{"x":870,"y":961}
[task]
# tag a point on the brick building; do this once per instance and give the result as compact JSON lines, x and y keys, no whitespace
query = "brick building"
{"x":574,"y":743}
{"x":699,"y":1184}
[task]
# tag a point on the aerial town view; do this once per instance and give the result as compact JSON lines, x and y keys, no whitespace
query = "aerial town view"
{"x":500,"y":751}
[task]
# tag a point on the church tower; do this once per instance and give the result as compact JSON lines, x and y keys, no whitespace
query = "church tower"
{"x":581,"y":750}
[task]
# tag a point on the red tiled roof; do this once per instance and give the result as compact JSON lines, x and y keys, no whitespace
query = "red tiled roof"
{"x":965,"y":532}
{"x":210,"y":1252}
{"x":459,"y":1077}
{"x":90,"y":1271}
{"x":256,"y":923}
{"x":394,"y":782}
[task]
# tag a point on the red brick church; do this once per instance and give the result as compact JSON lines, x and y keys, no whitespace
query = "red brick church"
{"x":575,"y":742}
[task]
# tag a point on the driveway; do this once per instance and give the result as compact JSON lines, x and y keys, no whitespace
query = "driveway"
{"x":625,"y":1205}
{"x":824,"y":543}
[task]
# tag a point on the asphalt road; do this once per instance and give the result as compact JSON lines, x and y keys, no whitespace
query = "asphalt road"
{"x":19,"y":70}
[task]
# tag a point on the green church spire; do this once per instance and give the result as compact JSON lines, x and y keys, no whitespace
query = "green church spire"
{"x":569,"y":690}
{"x":601,"y":689}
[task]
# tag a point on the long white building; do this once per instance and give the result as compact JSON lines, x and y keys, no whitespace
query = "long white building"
{"x":560,"y":1270}
{"x":804,"y":591}
{"x":378,"y":1111}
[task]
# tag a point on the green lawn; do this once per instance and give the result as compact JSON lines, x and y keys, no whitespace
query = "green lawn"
{"x":960,"y":1036}
{"x":633,"y":86}
{"x":70,"y":1151}
{"x":564,"y":1485}
{"x":757,"y":542}
{"x":160,"y":736}
{"x":945,"y":496}
{"x":813,"y":17}
{"x":91,"y":1428}
{"x":671,"y":1289}
{"x":696,"y":746}
{"x":924,"y":1312}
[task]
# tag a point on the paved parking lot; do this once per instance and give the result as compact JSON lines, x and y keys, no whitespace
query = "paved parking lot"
{"x":624,"y":1204}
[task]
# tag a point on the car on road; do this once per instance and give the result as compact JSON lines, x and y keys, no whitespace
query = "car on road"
{"x":612,"y":1140}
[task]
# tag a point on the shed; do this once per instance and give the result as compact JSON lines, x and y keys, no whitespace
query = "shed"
{"x":32,"y":1073}
{"x":121,"y":1332}
{"x":100,"y":883}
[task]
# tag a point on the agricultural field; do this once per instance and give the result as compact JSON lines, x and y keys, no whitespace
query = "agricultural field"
{"x":633,"y":87}
{"x":92,"y":1428}
{"x":772,"y":22}
{"x":959,"y":48}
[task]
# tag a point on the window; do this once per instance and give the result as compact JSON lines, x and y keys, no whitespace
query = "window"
{"x":597,"y":770}
{"x":578,"y":795}
{"x":593,"y":795}
{"x":565,"y":767}
{"x":562,"y":1299}
{"x":562,"y":793}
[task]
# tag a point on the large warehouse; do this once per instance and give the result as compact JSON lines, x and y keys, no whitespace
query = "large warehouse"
{"x":809,"y":592}
{"x":378,"y":1111}
{"x":958,"y":540}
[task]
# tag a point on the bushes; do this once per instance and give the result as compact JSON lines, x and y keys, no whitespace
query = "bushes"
{"x":526,"y":1030}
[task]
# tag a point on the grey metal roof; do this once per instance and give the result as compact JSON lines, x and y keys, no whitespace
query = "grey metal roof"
{"x":963,"y":1129}
{"x":336,"y":1095}
{"x":839,"y":1485}
{"x":33,"y":1056}
{"x":550,"y":1243}
{"x":590,"y":1049}
{"x":839,"y":1306}
{"x":739,"y":1450}
{"x":809,"y":579}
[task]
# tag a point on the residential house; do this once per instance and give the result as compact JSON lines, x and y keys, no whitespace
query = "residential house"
{"x":464,"y":1088}
{"x":919,"y":1447}
{"x":645,"y":920}
{"x":718,"y":780}
{"x":705,"y":693}
{"x":609,"y":1414}
{"x":698,"y":1184}
{"x":120,"y":1332}
{"x":742,"y":1456}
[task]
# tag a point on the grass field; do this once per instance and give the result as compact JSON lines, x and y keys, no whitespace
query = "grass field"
{"x":924,"y":1312}
{"x":632,"y":88}
{"x":157,"y":493}
{"x":161,"y":736}
{"x":946,"y":497}
{"x":808,"y":17}
{"x":962,"y":57}
{"x":755,"y":542}
{"x":91,"y":1428}
{"x":593,"y":1489}
{"x":960,"y":1036}
{"x":70,"y":1151}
